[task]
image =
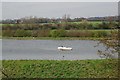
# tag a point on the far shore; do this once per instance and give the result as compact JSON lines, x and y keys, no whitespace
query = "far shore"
{"x":52,"y":38}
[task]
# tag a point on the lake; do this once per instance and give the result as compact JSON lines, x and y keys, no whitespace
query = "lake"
{"x":47,"y":49}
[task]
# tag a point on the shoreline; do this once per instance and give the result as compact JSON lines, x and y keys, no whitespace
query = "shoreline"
{"x":52,"y":38}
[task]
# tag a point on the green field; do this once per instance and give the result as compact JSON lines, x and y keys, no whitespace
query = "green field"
{"x":90,"y":22}
{"x":105,"y":68}
{"x":94,"y":23}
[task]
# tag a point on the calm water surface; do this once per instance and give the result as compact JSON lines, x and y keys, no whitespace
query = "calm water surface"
{"x":47,"y":49}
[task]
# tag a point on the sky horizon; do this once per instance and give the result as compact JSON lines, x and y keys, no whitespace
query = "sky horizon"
{"x":16,"y":10}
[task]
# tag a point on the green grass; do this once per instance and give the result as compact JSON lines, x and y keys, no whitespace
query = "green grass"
{"x":0,"y":69}
{"x":60,"y":69}
{"x":93,"y":22}
{"x":52,"y":38}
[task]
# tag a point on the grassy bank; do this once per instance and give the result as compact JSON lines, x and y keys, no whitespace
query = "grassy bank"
{"x":52,"y":38}
{"x":60,"y":69}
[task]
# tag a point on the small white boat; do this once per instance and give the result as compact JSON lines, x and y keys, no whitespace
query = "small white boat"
{"x":64,"y":48}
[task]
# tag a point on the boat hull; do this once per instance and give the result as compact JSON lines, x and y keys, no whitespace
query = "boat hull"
{"x":65,"y":48}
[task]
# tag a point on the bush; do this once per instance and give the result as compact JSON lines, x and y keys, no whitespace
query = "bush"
{"x":43,"y":33}
{"x":100,"y":34}
{"x":58,"y":33}
{"x":73,"y":33}
{"x":22,"y":33}
{"x":8,"y":33}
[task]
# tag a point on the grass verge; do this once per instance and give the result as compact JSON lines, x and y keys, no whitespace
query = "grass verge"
{"x":104,"y":68}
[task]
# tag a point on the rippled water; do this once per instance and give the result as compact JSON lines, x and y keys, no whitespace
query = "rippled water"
{"x":47,"y":49}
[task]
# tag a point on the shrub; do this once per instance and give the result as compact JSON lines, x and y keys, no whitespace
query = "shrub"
{"x":73,"y":33}
{"x":8,"y":33}
{"x":22,"y":33}
{"x":100,"y":34}
{"x":43,"y":33}
{"x":58,"y":33}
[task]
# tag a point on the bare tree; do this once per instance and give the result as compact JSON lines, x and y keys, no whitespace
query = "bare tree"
{"x":112,"y":42}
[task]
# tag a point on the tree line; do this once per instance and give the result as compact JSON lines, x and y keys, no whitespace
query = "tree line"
{"x":64,"y":25}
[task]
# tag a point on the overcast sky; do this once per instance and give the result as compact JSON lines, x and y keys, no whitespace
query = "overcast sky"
{"x":60,"y":0}
{"x":13,"y":10}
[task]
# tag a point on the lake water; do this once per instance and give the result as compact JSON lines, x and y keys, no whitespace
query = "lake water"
{"x":47,"y":49}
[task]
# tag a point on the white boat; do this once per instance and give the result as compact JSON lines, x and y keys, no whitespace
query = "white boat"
{"x":64,"y":48}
